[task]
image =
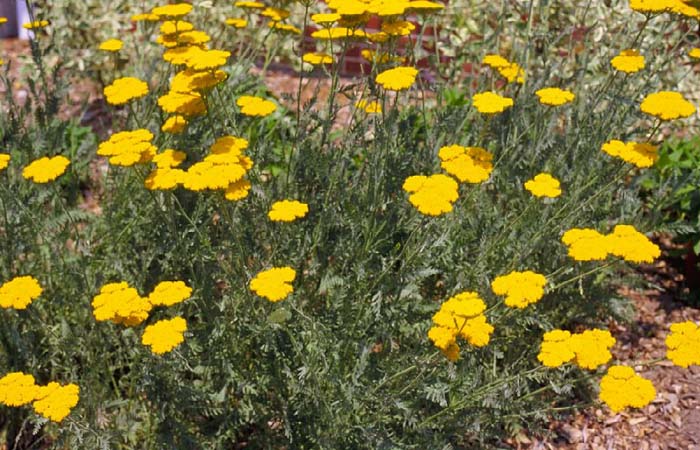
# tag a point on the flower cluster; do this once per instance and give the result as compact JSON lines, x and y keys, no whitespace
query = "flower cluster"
{"x":432,"y":195}
{"x":467,"y":164}
{"x":683,"y":344}
{"x":625,"y":242}
{"x":621,"y":387}
{"x":287,"y":211}
{"x":587,"y":350}
{"x":667,"y":105}
{"x":511,"y":71}
{"x":665,"y":6}
{"x":52,"y":401}
{"x":164,"y":335}
{"x":639,"y":154}
{"x":460,"y":315}
{"x":554,"y":96}
{"x":123,"y":90}
{"x":520,"y":288}
{"x":397,"y":79}
{"x":255,"y":106}
{"x":45,"y":169}
{"x":274,"y":284}
{"x":19,"y":292}
{"x":127,"y":148}
{"x":544,"y":185}
{"x":4,"y":161}
{"x":491,"y":103}
{"x":111,"y":45}
{"x":628,"y":61}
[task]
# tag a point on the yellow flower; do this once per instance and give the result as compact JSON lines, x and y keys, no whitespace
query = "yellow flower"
{"x":432,"y":195}
{"x":4,"y":161}
{"x":621,"y":387}
{"x":169,"y":158}
{"x":335,"y":33}
{"x":554,"y":96}
{"x":207,"y":59}
{"x":495,"y":61}
{"x":667,"y":105}
{"x":348,"y":7}
{"x":373,"y":107}
{"x":164,"y":335}
{"x":189,"y":80}
{"x":111,"y":45}
{"x":491,"y":103}
{"x":3,"y":20}
{"x":460,"y":315}
{"x":424,"y":6}
{"x":231,"y":145}
{"x":397,"y":79}
{"x":255,"y":106}
{"x":164,"y":179}
{"x":19,"y":292}
{"x":628,"y":243}
{"x":174,"y":125}
{"x":174,"y":10}
{"x":183,"y":103}
{"x":325,"y":18}
{"x":17,"y":389}
{"x":127,"y":148}
{"x":398,"y":28}
{"x":287,"y":211}
{"x":237,"y":190}
{"x":520,"y":288}
{"x":54,"y":401}
{"x":592,"y":348}
{"x":274,"y":284}
{"x":168,"y":293}
{"x":249,"y":5}
{"x":37,"y":24}
{"x":217,"y":171}
{"x":123,"y":90}
{"x":175,"y":26}
{"x":45,"y":169}
{"x":556,"y":348}
{"x":512,"y":73}
{"x":640,"y":154}
{"x":180,"y":55}
{"x":145,"y":17}
{"x":683,"y":344}
{"x":628,"y":61}
{"x":275,"y":14}
{"x":544,"y":185}
{"x":237,"y":22}
{"x":284,"y":27}
{"x":121,"y":304}
{"x":586,"y":244}
{"x":652,"y":6}
{"x":195,"y":37}
{"x":317,"y":58}
{"x":694,"y":53}
{"x":467,"y":164}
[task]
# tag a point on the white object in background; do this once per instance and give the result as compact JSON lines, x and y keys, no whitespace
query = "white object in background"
{"x":23,"y":17}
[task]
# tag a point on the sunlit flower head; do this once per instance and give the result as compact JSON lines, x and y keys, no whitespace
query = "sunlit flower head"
{"x":46,"y":169}
{"x":544,"y":185}
{"x":491,"y":103}
{"x":274,"y":284}
{"x":111,"y":45}
{"x":628,"y":61}
{"x":667,"y":105}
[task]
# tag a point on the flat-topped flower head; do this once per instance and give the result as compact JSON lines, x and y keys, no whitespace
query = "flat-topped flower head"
{"x":639,"y":154}
{"x":586,"y":244}
{"x":667,"y":105}
{"x":467,"y":164}
{"x":45,"y":169}
{"x":370,"y":107}
{"x":175,"y":26}
{"x":174,"y":124}
{"x":189,"y":80}
{"x":121,"y":304}
{"x":249,"y":5}
{"x":397,"y":79}
{"x":125,"y":89}
{"x":317,"y":59}
{"x":628,"y":61}
{"x":555,"y":349}
{"x":683,"y":344}
{"x":287,"y":211}
{"x":621,"y":387}
{"x":628,"y":243}
{"x":513,"y":73}
{"x":460,"y":315}
{"x":4,"y":161}
{"x":237,"y":22}
{"x":207,"y":59}
{"x":432,"y":195}
{"x":127,"y":148}
{"x":592,"y":348}
{"x":168,"y":293}
{"x":544,"y":185}
{"x":35,"y":25}
{"x":325,"y":18}
{"x":255,"y":106}
{"x":237,"y":190}
{"x":173,"y":10}
{"x":183,"y":103}
{"x":274,"y":284}
{"x":164,"y":179}
{"x":652,"y":6}
{"x":19,"y":292}
{"x":495,"y":61}
{"x":694,"y":53}
{"x":491,"y":103}
{"x":55,"y":402}
{"x":17,"y":389}
{"x":555,"y":96}
{"x":111,"y":45}
{"x":520,"y":288}
{"x":164,"y":335}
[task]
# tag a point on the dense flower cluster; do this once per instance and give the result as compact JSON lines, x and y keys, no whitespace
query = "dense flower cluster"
{"x":52,"y":401}
{"x":555,"y":96}
{"x":625,"y":242}
{"x":460,"y":315}
{"x":683,"y":344}
{"x":588,"y":349}
{"x":491,"y":103}
{"x":255,"y":106}
{"x":274,"y":284}
{"x":4,"y":161}
{"x":639,"y":154}
{"x":19,"y":292}
{"x":223,"y":169}
{"x":544,"y":185}
{"x":511,"y":71}
{"x":123,"y":90}
{"x":45,"y":169}
{"x":121,"y":304}
{"x":287,"y":211}
{"x":168,"y":293}
{"x":397,"y":79}
{"x":667,"y":105}
{"x":520,"y":288}
{"x":17,"y":389}
{"x":164,"y":335}
{"x":467,"y":164}
{"x":111,"y":45}
{"x":628,"y":61}
{"x":621,"y":387}
{"x":432,"y":195}
{"x":127,"y":148}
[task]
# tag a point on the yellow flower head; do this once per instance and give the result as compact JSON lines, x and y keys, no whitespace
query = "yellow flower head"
{"x":652,"y":6}
{"x":373,"y":107}
{"x":322,"y":19}
{"x":111,"y":45}
{"x":121,"y":304}
{"x":683,"y":344}
{"x":230,"y":145}
{"x":317,"y":58}
{"x":123,"y":90}
{"x":287,"y":211}
{"x":544,"y":185}
{"x":255,"y":106}
{"x":37,"y":24}
{"x":335,"y":33}
{"x":432,"y":195}
{"x":460,"y":315}
{"x":554,"y":96}
{"x":398,"y":28}
{"x":17,"y":389}
{"x":520,"y":288}
{"x":628,"y":243}
{"x":45,"y":169}
{"x":54,"y":401}
{"x":207,"y":59}
{"x":19,"y":292}
{"x":586,"y":244}
{"x":168,"y":293}
{"x":640,"y":154}
{"x":217,"y":171}
{"x":173,"y":10}
{"x":274,"y":284}
{"x":284,"y":27}
{"x":237,"y":22}
{"x":491,"y":103}
{"x":667,"y":105}
{"x":628,"y":61}
{"x":237,"y":190}
{"x":621,"y":387}
{"x":467,"y":164}
{"x":592,"y":348}
{"x":164,"y":179}
{"x":164,"y":335}
{"x":4,"y":160}
{"x":189,"y":80}
{"x":495,"y":61}
{"x":145,"y":17}
{"x":694,"y":53}
{"x":175,"y":26}
{"x":174,"y":124}
{"x":512,"y":73}
{"x":169,"y":158}
{"x":556,"y":348}
{"x":397,"y":79}
{"x":249,"y":5}
{"x":183,"y":103}
{"x":127,"y":148}
{"x":3,"y":20}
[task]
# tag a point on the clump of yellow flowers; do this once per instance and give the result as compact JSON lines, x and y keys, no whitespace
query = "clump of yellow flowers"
{"x":625,"y":242}
{"x":52,"y":401}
